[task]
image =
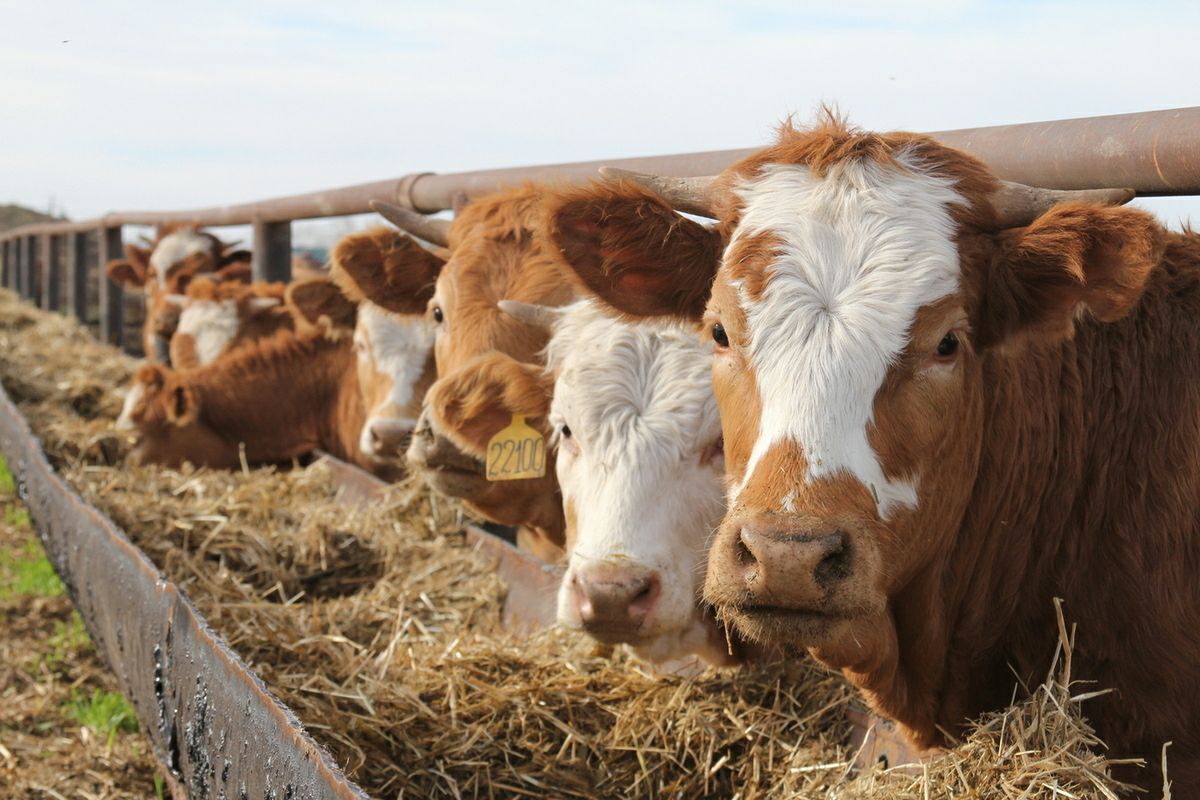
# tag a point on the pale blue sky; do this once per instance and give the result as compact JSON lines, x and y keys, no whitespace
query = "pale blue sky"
{"x":121,"y":105}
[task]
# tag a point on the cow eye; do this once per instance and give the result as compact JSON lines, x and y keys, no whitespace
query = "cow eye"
{"x":566,"y":432}
{"x":438,"y":316}
{"x":719,"y":335}
{"x":948,"y":346}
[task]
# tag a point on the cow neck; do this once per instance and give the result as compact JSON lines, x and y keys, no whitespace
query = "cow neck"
{"x":1098,"y":433}
{"x":275,"y":395}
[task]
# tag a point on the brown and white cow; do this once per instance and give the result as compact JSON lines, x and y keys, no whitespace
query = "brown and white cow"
{"x":177,"y":255}
{"x":945,"y":403}
{"x":637,"y":443}
{"x":217,"y":316}
{"x":350,"y":380}
{"x":495,"y":253}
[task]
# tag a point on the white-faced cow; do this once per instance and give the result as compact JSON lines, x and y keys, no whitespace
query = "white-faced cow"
{"x":946,"y":401}
{"x":176,"y":256}
{"x":217,"y":316}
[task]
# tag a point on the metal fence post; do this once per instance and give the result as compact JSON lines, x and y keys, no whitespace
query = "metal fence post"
{"x":29,"y":271}
{"x":272,"y":260}
{"x":111,"y":307}
{"x":77,"y":276}
{"x":50,"y":248}
{"x":5,"y":263}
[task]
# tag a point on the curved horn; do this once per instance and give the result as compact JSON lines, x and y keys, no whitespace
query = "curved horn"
{"x":542,"y":317}
{"x":1017,"y":204}
{"x":419,"y":225}
{"x":690,"y":195}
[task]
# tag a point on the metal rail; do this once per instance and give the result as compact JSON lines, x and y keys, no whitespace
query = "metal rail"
{"x":1153,"y":152}
{"x":213,"y":725}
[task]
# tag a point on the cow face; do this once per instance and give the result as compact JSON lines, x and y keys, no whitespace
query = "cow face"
{"x":214,"y":316}
{"x":166,"y":269}
{"x":165,"y":414}
{"x":494,"y":254}
{"x":863,"y":287}
{"x":391,"y":278}
{"x":641,"y":470}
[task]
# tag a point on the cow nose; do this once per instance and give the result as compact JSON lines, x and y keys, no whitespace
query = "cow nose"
{"x":388,"y":437}
{"x":612,"y":603}
{"x":790,"y":567}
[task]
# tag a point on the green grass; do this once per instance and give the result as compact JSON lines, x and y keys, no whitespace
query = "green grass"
{"x":7,"y":485}
{"x":105,"y":714}
{"x":68,"y":641}
{"x":16,"y":516}
{"x":28,"y":573}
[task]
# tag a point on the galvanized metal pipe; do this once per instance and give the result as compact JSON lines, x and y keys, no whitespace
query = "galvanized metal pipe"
{"x":112,"y":310}
{"x":1154,"y":152}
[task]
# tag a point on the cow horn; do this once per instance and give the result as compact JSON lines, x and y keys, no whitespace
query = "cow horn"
{"x":176,"y":299}
{"x":430,"y":229}
{"x":690,"y":195}
{"x":543,"y":317}
{"x":1017,"y":204}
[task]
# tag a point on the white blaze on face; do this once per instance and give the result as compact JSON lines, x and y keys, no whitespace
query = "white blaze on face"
{"x":395,"y":348}
{"x":213,"y":324}
{"x":638,"y":400}
{"x":862,"y":250}
{"x":174,"y":248}
{"x":132,"y":398}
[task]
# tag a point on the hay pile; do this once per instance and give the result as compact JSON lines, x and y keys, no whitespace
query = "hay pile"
{"x":380,"y":627}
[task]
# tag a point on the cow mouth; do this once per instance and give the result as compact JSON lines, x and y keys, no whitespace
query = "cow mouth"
{"x":765,"y":623}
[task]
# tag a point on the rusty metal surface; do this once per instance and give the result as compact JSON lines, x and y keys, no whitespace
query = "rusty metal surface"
{"x":211,"y":722}
{"x":530,"y":604}
{"x":1154,"y":152}
{"x":877,"y":741}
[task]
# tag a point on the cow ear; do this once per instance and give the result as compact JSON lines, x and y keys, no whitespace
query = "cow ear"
{"x":386,"y":267}
{"x":139,"y":257}
{"x":124,"y":274}
{"x":627,"y":247}
{"x":478,"y":400}
{"x":234,"y":272}
{"x":231,"y":257}
{"x":183,"y":407}
{"x":317,"y":304}
{"x":1074,"y":258}
{"x":152,"y":377}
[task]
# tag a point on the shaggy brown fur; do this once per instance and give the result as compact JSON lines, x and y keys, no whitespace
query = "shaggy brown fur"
{"x":1060,"y":458}
{"x":387,"y":267}
{"x":254,"y":321}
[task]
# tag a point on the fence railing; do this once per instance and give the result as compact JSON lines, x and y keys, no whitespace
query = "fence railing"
{"x":1155,"y":152}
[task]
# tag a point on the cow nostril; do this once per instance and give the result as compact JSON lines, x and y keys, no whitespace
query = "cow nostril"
{"x":835,"y":565}
{"x":741,"y":549}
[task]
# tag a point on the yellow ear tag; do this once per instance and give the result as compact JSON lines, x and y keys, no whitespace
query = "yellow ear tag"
{"x":516,"y":452}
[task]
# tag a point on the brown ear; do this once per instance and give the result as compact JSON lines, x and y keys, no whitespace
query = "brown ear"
{"x":232,"y":257}
{"x":630,"y":249}
{"x":477,"y":401}
{"x":152,"y":377}
{"x":139,"y":257}
{"x":317,"y":304}
{"x":1073,"y":257}
{"x":125,"y":274}
{"x":183,"y":407}
{"x":386,"y":267}
{"x":234,"y":272}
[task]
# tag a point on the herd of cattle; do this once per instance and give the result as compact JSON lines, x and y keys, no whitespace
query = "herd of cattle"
{"x":882,"y":412}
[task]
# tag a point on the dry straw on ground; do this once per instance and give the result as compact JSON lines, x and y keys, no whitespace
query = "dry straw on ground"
{"x":380,"y":627}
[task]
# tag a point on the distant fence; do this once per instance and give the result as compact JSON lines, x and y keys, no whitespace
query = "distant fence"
{"x":60,"y":263}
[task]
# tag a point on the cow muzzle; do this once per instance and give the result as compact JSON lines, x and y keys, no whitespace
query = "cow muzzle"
{"x":612,"y":602}
{"x":383,"y":439}
{"x":446,"y":468}
{"x":784,"y":580}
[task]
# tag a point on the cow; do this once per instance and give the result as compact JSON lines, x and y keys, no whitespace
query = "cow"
{"x":217,"y":316}
{"x":946,"y":401}
{"x":349,"y":380}
{"x":640,"y":465}
{"x":493,"y":253}
{"x":174,"y":258}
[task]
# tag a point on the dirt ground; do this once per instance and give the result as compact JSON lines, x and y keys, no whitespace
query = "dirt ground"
{"x":65,"y":731}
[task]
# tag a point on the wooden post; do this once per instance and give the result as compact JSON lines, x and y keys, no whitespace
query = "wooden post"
{"x":77,"y":286}
{"x":272,"y":260}
{"x":112,"y":315}
{"x":51,"y":251}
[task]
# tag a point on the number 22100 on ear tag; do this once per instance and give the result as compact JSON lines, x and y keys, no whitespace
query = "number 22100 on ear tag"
{"x":516,"y":452}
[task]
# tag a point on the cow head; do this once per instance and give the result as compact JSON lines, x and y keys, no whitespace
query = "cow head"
{"x":166,"y":268}
{"x":214,"y":315}
{"x":494,"y":255}
{"x":165,"y":413}
{"x":389,"y":278}
{"x":866,"y":281}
